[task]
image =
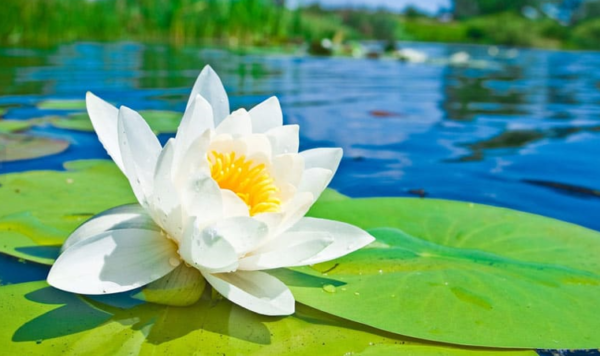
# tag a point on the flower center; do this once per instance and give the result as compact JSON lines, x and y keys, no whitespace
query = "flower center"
{"x":251,"y":182}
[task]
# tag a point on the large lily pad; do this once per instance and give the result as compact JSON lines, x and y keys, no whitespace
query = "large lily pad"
{"x":159,"y":121}
{"x":15,"y":147}
{"x":45,"y":321}
{"x":461,"y":273}
{"x":41,"y":208}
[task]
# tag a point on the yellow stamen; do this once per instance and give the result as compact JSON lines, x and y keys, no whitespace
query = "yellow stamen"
{"x":251,"y":182}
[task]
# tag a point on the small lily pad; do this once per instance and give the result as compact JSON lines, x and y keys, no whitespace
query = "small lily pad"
{"x":7,"y":126}
{"x":159,"y":121}
{"x":78,"y":121}
{"x":58,"y":104}
{"x":15,"y":147}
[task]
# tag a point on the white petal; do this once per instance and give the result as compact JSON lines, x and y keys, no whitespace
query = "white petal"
{"x":327,"y":158}
{"x":258,"y":147}
{"x":287,"y":250}
{"x":130,"y":216}
{"x":233,"y":205}
{"x":113,"y":262}
{"x":193,"y":161}
{"x":284,"y":139}
{"x":139,"y":149}
{"x":202,"y":199}
{"x":196,"y":120}
{"x":295,"y":210}
{"x":266,"y":115}
{"x":272,"y":220}
{"x":288,"y":168}
{"x":253,"y":290}
{"x":238,"y":123}
{"x":315,"y":180}
{"x":165,"y":198}
{"x":224,"y":143}
{"x":104,"y":120}
{"x":347,"y":238}
{"x":207,"y":250}
{"x":243,"y":233}
{"x":209,"y":86}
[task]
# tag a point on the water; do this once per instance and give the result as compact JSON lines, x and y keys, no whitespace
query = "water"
{"x":519,"y":130}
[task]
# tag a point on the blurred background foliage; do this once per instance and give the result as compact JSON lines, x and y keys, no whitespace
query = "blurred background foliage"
{"x":570,"y":24}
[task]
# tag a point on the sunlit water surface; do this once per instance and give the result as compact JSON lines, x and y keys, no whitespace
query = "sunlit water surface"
{"x":518,"y":130}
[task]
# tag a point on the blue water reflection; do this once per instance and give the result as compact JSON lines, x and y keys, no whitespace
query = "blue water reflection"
{"x":519,"y":131}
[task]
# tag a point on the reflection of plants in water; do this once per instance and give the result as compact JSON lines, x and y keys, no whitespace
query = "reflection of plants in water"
{"x":517,"y":139}
{"x":10,"y":75}
{"x":467,"y":95}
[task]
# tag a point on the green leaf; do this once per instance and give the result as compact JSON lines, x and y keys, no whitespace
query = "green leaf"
{"x":461,"y":273}
{"x":7,"y":126}
{"x":41,"y":208}
{"x":159,"y":121}
{"x":331,"y":195}
{"x":45,"y":321}
{"x":78,"y":122}
{"x":59,"y":104}
{"x":15,"y":147}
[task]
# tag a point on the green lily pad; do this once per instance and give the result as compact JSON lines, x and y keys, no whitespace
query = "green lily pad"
{"x":461,"y":273}
{"x":7,"y":126}
{"x":78,"y":122}
{"x":58,"y":104}
{"x":159,"y":121}
{"x":45,"y":321}
{"x":41,"y":208}
{"x":330,"y":195}
{"x":15,"y":147}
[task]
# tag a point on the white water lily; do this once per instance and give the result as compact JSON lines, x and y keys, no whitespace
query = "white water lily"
{"x":227,"y":196}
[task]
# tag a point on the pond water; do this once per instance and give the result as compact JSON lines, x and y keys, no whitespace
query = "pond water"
{"x":517,"y":129}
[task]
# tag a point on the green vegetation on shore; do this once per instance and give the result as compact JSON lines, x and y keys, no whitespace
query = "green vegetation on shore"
{"x":269,"y":22}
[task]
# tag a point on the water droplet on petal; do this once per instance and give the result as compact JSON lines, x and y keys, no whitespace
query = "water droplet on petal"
{"x":329,"y":288}
{"x":174,"y":261}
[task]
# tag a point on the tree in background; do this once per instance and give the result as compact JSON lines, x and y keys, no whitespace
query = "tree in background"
{"x":470,"y":8}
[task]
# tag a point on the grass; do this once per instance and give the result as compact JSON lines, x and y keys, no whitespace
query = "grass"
{"x":261,"y":22}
